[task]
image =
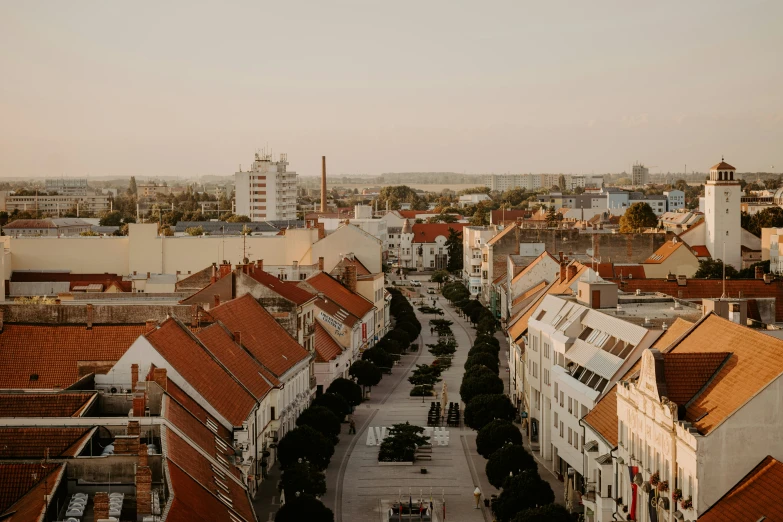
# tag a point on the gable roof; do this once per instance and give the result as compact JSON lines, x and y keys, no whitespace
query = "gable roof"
{"x":603,"y":417}
{"x":529,"y":292}
{"x":261,"y":334}
{"x":202,"y":371}
{"x":286,"y":289}
{"x":663,"y":253}
{"x":45,"y":404}
{"x":23,"y":499}
{"x":326,"y":348}
{"x":756,"y":361}
{"x":43,"y":356}
{"x":361,"y":270}
{"x":529,"y":267}
{"x":194,"y":408}
{"x":677,"y":328}
{"x":35,"y":442}
{"x":332,"y":289}
{"x":497,"y":237}
{"x":30,"y":223}
{"x":686,"y":374}
{"x":428,"y":232}
{"x":754,"y":498}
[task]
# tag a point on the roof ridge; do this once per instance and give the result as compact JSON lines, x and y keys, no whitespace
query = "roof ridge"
{"x":244,"y":349}
{"x":194,"y":479}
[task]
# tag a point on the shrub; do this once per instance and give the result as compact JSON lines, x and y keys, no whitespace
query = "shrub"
{"x":508,"y":460}
{"x":401,"y":442}
{"x":322,"y":420}
{"x":548,"y":513}
{"x":379,"y":357}
{"x":496,"y":435}
{"x":306,"y":443}
{"x":365,"y":373}
{"x":305,"y":478}
{"x":333,"y":402}
{"x":483,"y":359}
{"x":483,"y":409}
{"x":349,"y":390}
{"x":423,"y":390}
{"x":479,"y":380}
{"x":521,"y":492}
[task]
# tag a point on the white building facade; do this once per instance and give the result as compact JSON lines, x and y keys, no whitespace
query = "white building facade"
{"x":722,"y":215}
{"x":267,"y":191}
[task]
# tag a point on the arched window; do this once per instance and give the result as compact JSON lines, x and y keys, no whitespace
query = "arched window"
{"x":732,"y":176}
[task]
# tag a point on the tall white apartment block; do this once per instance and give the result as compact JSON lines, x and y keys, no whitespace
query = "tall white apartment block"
{"x":267,"y":191}
{"x":722,"y":215}
{"x":639,"y":175}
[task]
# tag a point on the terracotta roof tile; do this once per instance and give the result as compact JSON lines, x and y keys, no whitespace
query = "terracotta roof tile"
{"x":677,"y":328}
{"x":197,"y":367}
{"x":261,"y":334}
{"x":686,"y":373}
{"x":44,"y":404}
{"x":326,"y":348}
{"x":33,"y":356}
{"x":753,"y":498}
{"x":32,"y":443}
{"x":663,"y":253}
{"x":286,"y":289}
{"x":701,"y":251}
{"x":629,"y":272}
{"x":16,"y":480}
{"x":361,"y":270}
{"x":428,"y":232}
{"x":199,"y":468}
{"x":195,"y":409}
{"x":31,"y":505}
{"x":603,"y":417}
{"x":722,"y":166}
{"x":504,"y":216}
{"x":332,"y":289}
{"x":30,"y":223}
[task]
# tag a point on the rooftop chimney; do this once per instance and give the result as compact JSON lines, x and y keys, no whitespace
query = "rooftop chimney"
{"x":101,"y":506}
{"x":216,"y":300}
{"x":2,"y":316}
{"x":134,"y":428}
{"x":321,"y":264}
{"x":350,"y":277}
{"x":321,"y":230}
{"x":139,"y":404}
{"x":159,"y":375}
{"x":759,"y":272}
{"x":143,"y":455}
{"x":260,"y":264}
{"x":143,"y":490}
{"x":323,"y":183}
{"x":571,"y":271}
{"x":562,"y":272}
{"x":213,"y":277}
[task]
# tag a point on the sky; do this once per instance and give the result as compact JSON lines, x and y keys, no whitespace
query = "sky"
{"x":189,"y":88}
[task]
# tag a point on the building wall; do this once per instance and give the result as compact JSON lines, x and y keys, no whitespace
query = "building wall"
{"x":722,"y":222}
{"x":619,"y":248}
{"x":347,"y":239}
{"x":681,"y":262}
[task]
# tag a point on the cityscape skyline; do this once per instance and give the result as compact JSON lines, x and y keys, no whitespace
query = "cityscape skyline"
{"x":469,"y":89}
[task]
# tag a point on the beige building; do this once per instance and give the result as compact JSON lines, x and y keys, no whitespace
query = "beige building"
{"x":673,"y":258}
{"x":55,"y":205}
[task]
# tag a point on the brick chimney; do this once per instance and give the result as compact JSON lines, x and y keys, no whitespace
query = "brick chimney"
{"x":571,"y":271}
{"x":349,"y":275}
{"x":216,"y":300}
{"x":260,"y":264}
{"x":89,"y":316}
{"x":139,"y":404}
{"x":101,"y":506}
{"x":134,"y":428}
{"x":238,"y":337}
{"x":321,"y":231}
{"x":134,"y":376}
{"x":143,"y":490}
{"x":150,"y":325}
{"x":194,"y":315}
{"x":562,"y":271}
{"x":321,"y":264}
{"x":148,"y":275}
{"x":142,"y":455}
{"x":213,"y":276}
{"x":759,"y":272}
{"x":159,"y":376}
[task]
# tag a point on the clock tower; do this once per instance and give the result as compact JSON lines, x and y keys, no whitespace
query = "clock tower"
{"x":722,"y":215}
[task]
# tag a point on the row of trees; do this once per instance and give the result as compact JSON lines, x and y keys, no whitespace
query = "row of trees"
{"x":524,"y":497}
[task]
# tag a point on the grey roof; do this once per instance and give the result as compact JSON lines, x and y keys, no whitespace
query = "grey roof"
{"x":70,"y":222}
{"x":218,"y":227}
{"x":604,"y":459}
{"x":286,"y":223}
{"x":104,"y":230}
{"x":590,"y":446}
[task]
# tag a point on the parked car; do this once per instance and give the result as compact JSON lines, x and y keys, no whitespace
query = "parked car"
{"x":415,"y":283}
{"x":430,"y":290}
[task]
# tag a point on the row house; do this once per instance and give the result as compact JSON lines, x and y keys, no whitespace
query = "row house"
{"x":424,"y":245}
{"x":369,"y":285}
{"x":473,"y":240}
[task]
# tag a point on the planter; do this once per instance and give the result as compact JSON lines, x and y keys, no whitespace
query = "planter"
{"x":406,"y":463}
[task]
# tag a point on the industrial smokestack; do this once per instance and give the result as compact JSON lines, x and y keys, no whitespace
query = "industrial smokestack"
{"x":323,"y":183}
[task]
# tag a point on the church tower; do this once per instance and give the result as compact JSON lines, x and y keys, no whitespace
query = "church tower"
{"x":722,"y":215}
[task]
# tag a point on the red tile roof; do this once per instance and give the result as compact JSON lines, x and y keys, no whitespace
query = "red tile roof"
{"x":701,"y":251}
{"x":361,"y":270}
{"x":686,"y":373}
{"x":722,"y":166}
{"x":44,"y":404}
{"x":672,"y":333}
{"x":326,"y":348}
{"x":195,"y":409}
{"x":286,"y":289}
{"x":603,"y":417}
{"x":332,"y":289}
{"x":188,"y":357}
{"x":629,"y":272}
{"x":428,"y":232}
{"x":33,"y":443}
{"x":411,"y":214}
{"x":30,"y":223}
{"x":224,"y":347}
{"x":504,"y":216}
{"x":21,"y":497}
{"x":261,"y":334}
{"x":336,"y":311}
{"x":188,"y":459}
{"x":33,"y":356}
{"x":605,"y":270}
{"x":754,"y":498}
{"x":663,"y":253}
{"x":16,"y":480}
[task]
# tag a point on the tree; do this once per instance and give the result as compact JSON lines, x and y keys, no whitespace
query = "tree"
{"x":349,"y":390}
{"x":303,"y":478}
{"x":306,"y":443}
{"x":483,"y":409}
{"x":132,"y":189}
{"x":304,"y":507}
{"x":561,"y":183}
{"x":713,"y":269}
{"x":454,"y":251}
{"x":483,"y":359}
{"x":401,"y":442}
{"x":440,"y":276}
{"x":548,"y":513}
{"x":513,"y":197}
{"x":551,"y":217}
{"x":379,"y":357}
{"x":771,"y":217}
{"x":638,"y":217}
{"x":322,"y":420}
{"x":443,"y":218}
{"x":365,"y":373}
{"x":111,"y":219}
{"x":334,"y":403}
{"x":496,"y":435}
{"x":195,"y":231}
{"x":524,"y":491}
{"x":238,"y":219}
{"x":424,"y":375}
{"x":479,"y":218}
{"x":479,"y":380}
{"x":508,"y":460}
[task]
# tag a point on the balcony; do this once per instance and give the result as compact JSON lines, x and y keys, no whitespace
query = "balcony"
{"x":309,"y":329}
{"x":312,"y":382}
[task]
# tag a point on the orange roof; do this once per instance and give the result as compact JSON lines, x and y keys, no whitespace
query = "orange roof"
{"x":629,"y":272}
{"x":22,"y":498}
{"x":195,"y":409}
{"x":504,"y":216}
{"x":286,"y":289}
{"x":603,"y":417}
{"x":663,"y":253}
{"x":224,"y":347}
{"x":326,"y":348}
{"x":16,"y":480}
{"x":411,"y":214}
{"x":44,"y":404}
{"x":686,"y":373}
{"x":334,"y":290}
{"x":428,"y":232}
{"x":529,"y":292}
{"x":361,"y":270}
{"x":33,"y":356}
{"x":502,"y":234}
{"x":266,"y":340}
{"x":722,"y":166}
{"x":30,"y":223}
{"x":701,"y":251}
{"x":754,"y":498}
{"x":197,"y":499}
{"x":605,"y":270}
{"x":198,"y":368}
{"x":677,"y":328}
{"x":33,"y":443}
{"x":756,"y":360}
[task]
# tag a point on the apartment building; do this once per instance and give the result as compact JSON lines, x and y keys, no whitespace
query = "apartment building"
{"x":267,"y":191}
{"x":55,"y":205}
{"x":640,"y":175}
{"x":67,"y":186}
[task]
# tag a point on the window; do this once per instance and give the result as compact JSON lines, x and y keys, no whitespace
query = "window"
{"x":546,"y":376}
{"x":561,"y":429}
{"x":546,"y":350}
{"x":570,"y":435}
{"x":576,"y":409}
{"x":562,"y":399}
{"x":556,"y":389}
{"x":556,"y":424}
{"x":570,"y":405}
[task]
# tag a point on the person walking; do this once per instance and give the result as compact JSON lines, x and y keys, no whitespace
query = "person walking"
{"x":352,"y":427}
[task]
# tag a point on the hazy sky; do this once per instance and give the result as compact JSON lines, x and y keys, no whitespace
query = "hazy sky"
{"x":190,"y":88}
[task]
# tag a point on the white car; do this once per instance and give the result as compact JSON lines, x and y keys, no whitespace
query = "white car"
{"x":415,"y":283}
